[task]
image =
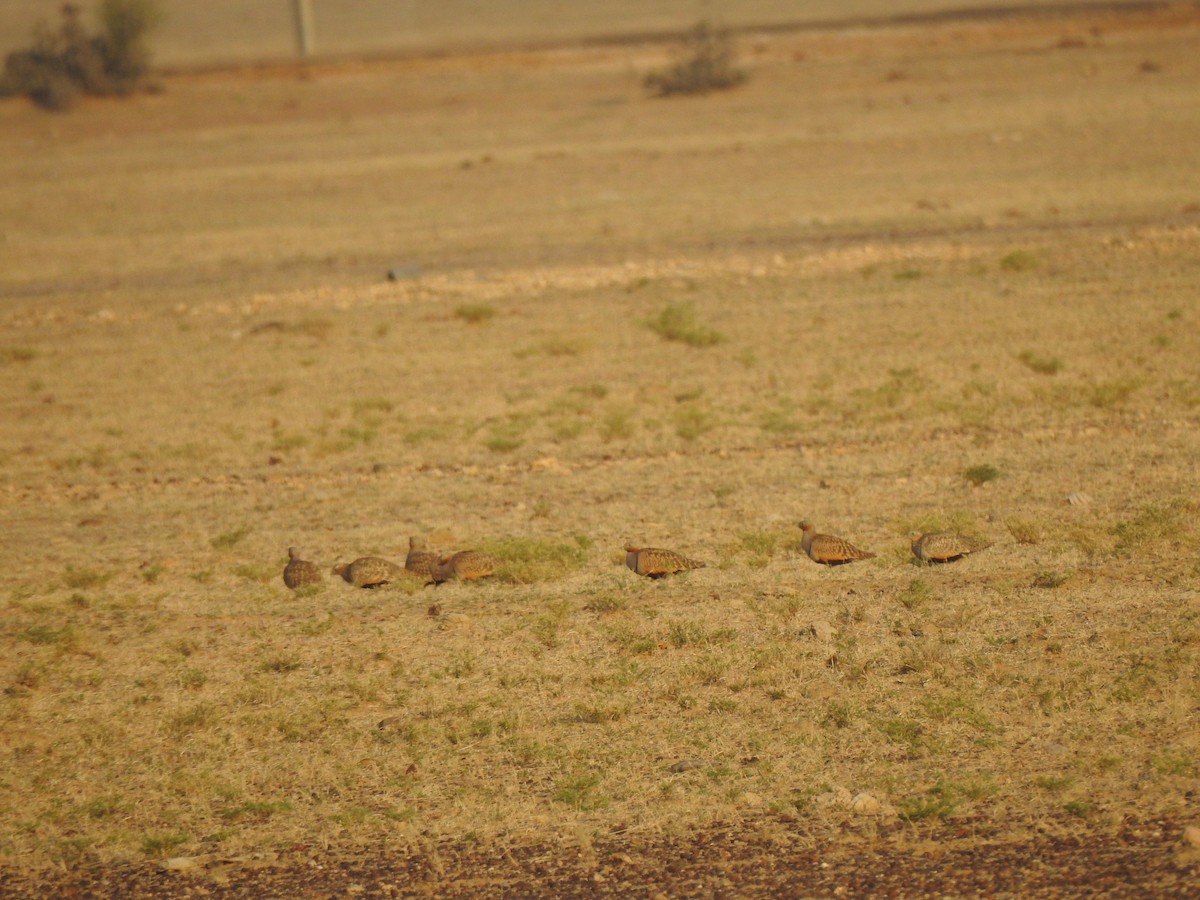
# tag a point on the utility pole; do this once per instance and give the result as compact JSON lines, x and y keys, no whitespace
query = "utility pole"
{"x":305,"y":33}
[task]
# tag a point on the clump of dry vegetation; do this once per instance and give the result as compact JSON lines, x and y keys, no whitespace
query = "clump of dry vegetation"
{"x":64,"y":64}
{"x":678,"y":322}
{"x":706,"y":63}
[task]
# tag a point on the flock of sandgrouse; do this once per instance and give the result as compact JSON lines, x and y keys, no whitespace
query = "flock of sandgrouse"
{"x":426,"y":567}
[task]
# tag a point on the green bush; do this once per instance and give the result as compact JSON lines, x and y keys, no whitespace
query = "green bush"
{"x":64,"y":64}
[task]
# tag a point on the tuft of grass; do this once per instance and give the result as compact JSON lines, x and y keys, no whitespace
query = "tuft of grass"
{"x":1054,"y":783}
{"x":229,"y":539}
{"x":1019,"y":261}
{"x":916,"y":595}
{"x":280,"y":664}
{"x":159,"y":845}
{"x":104,"y":806}
{"x":1172,"y":762}
{"x":1043,"y":365}
{"x":1153,"y":523}
{"x":777,"y":421}
{"x":47,"y":636}
{"x":839,"y":714}
{"x":254,"y":809}
{"x":17,"y":355}
{"x":580,"y":791}
{"x":980,"y":474}
{"x":939,"y":802}
{"x":617,"y":425}
{"x":677,"y":322}
{"x":1025,"y":531}
{"x":529,"y":560}
{"x":1050,"y":579}
{"x":706,"y":62}
{"x":475,"y":313}
{"x":1109,"y":394}
{"x":692,"y":422}
{"x":84,"y":579}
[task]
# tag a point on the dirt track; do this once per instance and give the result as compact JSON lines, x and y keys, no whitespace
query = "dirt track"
{"x":1146,"y":859}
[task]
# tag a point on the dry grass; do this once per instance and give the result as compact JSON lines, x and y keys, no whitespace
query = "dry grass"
{"x":164,"y":694}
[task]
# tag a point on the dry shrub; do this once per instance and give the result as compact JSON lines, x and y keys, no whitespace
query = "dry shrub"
{"x":61,"y":65}
{"x":706,"y":63}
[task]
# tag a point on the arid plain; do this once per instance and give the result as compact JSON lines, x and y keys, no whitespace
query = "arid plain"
{"x":909,"y":276}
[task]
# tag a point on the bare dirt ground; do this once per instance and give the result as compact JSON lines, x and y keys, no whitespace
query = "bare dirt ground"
{"x":907,"y":277}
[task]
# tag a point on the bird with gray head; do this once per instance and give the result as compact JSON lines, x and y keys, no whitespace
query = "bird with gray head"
{"x":944,"y":546}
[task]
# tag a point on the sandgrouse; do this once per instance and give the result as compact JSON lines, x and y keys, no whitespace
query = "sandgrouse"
{"x":299,"y":571}
{"x":466,"y":565}
{"x":944,"y":546}
{"x":420,"y":561}
{"x":829,"y":550}
{"x":371,"y":572}
{"x":654,"y":562}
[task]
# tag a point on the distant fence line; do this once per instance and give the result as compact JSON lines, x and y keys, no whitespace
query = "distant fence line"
{"x":219,"y":32}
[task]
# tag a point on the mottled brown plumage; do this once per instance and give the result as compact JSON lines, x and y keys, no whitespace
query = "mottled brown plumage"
{"x":299,"y":572}
{"x":828,"y":549}
{"x":654,"y":562}
{"x":944,"y":546}
{"x":371,"y":572}
{"x":467,"y":565}
{"x":420,"y":561}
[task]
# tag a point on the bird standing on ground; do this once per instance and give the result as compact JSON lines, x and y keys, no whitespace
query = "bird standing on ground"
{"x":299,"y":571}
{"x":944,"y":546}
{"x":466,"y":565}
{"x":371,"y":572}
{"x":420,"y":561}
{"x":828,"y":549}
{"x":654,"y":562}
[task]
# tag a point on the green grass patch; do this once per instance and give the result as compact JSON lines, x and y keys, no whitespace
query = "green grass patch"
{"x":677,"y":322}
{"x":1043,"y":365}
{"x":580,"y":791}
{"x":529,"y":560}
{"x":475,"y":313}
{"x":1019,"y":261}
{"x":980,"y":474}
{"x":84,"y":579}
{"x":1154,"y":523}
{"x":228,"y":539}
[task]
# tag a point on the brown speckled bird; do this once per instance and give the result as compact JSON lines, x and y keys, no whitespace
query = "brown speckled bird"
{"x":829,"y":550}
{"x":944,"y":546}
{"x":466,"y":565}
{"x":299,"y":571}
{"x":371,"y":572}
{"x":654,"y":562}
{"x":420,"y":561}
